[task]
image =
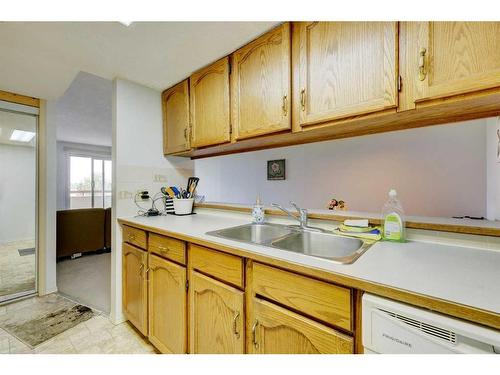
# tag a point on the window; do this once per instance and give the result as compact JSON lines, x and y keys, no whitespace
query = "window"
{"x":90,"y":182}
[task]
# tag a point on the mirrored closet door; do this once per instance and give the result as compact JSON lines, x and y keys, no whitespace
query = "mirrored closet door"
{"x":18,"y":198}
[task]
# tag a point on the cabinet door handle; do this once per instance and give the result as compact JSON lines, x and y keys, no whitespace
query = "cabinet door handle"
{"x":235,"y":325}
{"x":185,"y":134}
{"x":141,"y":267}
{"x":284,"y":107}
{"x":254,"y":334}
{"x":422,"y":71}
{"x":303,"y":99}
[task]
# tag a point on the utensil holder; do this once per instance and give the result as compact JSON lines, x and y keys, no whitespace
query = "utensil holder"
{"x":183,"y":206}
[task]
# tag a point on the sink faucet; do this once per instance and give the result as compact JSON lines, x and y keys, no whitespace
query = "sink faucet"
{"x":301,"y":218}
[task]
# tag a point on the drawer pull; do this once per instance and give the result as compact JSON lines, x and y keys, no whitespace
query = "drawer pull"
{"x":235,"y":325}
{"x":163,"y":249}
{"x":131,"y":237}
{"x":254,"y":334}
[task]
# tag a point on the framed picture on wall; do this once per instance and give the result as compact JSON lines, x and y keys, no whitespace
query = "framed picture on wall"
{"x":276,"y":169}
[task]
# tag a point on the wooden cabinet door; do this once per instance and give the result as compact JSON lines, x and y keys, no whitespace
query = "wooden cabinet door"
{"x":175,"y":102}
{"x":216,"y":321}
{"x":209,"y":96}
{"x":260,"y":85}
{"x":134,"y":287}
{"x":345,"y":69}
{"x":456,"y":57}
{"x":276,"y":330}
{"x":167,"y":305}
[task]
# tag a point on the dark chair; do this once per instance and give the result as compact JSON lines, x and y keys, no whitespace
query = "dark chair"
{"x":82,"y":230}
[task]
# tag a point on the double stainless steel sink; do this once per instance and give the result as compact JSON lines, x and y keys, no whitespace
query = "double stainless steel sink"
{"x":308,"y":241}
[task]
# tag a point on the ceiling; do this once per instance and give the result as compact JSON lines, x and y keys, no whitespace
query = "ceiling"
{"x":41,"y":59}
{"x":10,"y":121}
{"x":84,"y":113}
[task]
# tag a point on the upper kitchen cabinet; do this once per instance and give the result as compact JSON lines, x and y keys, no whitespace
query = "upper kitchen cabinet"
{"x":209,"y":98}
{"x":260,"y":85}
{"x":455,"y":58}
{"x":175,"y":103}
{"x":343,"y":69}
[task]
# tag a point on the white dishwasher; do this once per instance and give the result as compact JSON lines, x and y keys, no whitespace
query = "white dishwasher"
{"x":396,"y":328}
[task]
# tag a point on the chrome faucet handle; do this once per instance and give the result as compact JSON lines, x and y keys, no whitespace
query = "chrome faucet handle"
{"x":296,"y":206}
{"x":301,"y":211}
{"x":284,"y":210}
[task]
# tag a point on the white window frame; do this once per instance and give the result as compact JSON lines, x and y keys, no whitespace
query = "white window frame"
{"x":81,"y":151}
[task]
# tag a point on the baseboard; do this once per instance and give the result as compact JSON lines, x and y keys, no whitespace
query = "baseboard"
{"x":117,"y":319}
{"x":46,"y":292}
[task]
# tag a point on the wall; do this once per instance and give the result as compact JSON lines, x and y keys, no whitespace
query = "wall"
{"x":47,"y":166}
{"x":17,"y":193}
{"x":437,"y":171}
{"x":64,"y":150}
{"x":84,"y":111}
{"x":138,"y":163}
{"x":493,"y":169}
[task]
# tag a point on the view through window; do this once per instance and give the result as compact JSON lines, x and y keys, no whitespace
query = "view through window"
{"x":90,"y":182}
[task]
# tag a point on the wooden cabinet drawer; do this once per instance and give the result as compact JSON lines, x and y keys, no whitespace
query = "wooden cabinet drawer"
{"x":135,"y":236}
{"x":168,"y":247}
{"x":326,"y":302}
{"x":225,"y":267}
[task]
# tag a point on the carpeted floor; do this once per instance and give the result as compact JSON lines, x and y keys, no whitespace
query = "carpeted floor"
{"x":87,"y":280}
{"x":17,"y":272}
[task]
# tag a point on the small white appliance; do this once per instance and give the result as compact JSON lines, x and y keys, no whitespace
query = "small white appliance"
{"x":396,"y":328}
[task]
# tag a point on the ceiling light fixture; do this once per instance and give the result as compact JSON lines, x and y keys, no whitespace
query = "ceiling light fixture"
{"x":22,"y":136}
{"x":126,"y":23}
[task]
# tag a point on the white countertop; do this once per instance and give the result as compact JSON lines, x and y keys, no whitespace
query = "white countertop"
{"x":463,"y":275}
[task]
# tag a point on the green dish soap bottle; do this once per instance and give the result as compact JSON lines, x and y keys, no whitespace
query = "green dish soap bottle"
{"x":393,"y":219}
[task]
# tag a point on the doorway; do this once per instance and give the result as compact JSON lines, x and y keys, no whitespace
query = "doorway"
{"x":18,"y":201}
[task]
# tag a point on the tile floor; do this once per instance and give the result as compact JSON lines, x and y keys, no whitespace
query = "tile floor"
{"x":17,"y":273}
{"x":95,"y":336}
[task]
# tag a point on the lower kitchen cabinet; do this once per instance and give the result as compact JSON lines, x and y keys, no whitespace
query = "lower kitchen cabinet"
{"x":216,"y":321}
{"x":167,"y":305}
{"x":276,"y":330}
{"x":286,"y":312}
{"x":134,"y":287}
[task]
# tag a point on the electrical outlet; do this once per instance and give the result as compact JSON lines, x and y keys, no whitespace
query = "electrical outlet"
{"x":160,"y":178}
{"x":139,"y":193}
{"x":125,"y":195}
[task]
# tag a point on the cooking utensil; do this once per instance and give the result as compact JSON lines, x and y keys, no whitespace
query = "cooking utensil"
{"x":175,"y":191}
{"x":192,"y":184}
